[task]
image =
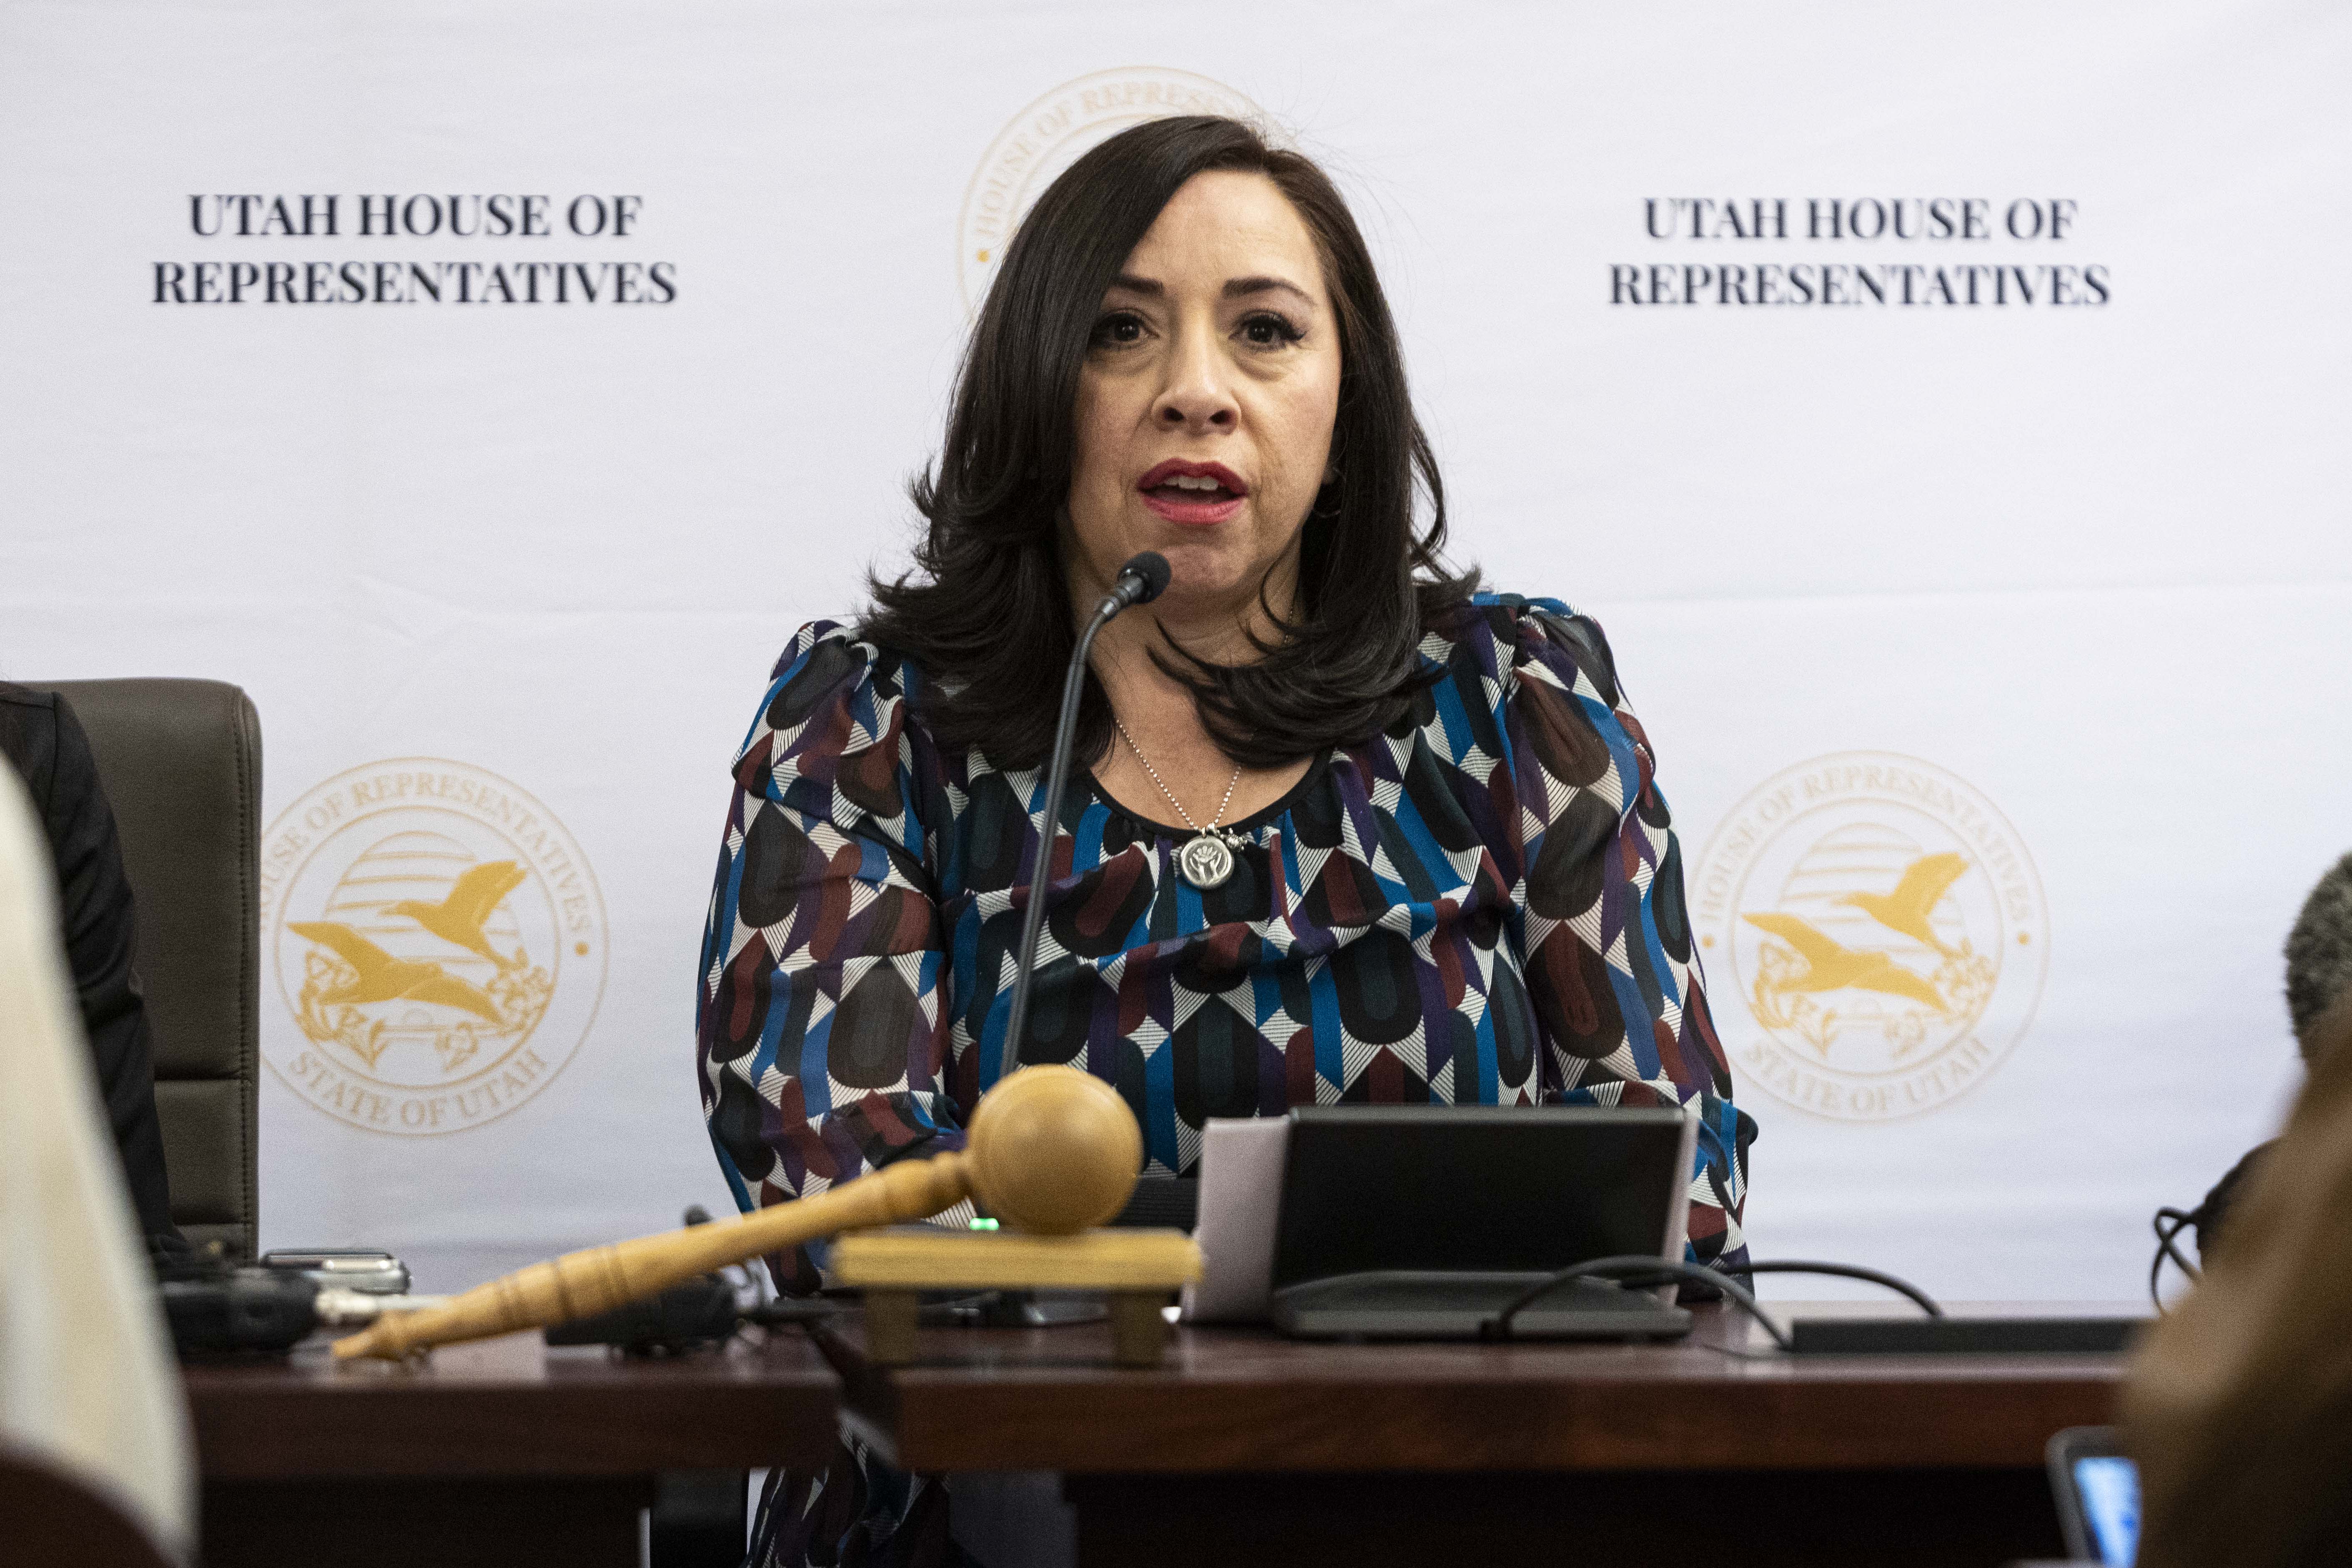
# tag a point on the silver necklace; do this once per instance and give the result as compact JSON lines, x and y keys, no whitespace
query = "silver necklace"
{"x":1206,"y":858}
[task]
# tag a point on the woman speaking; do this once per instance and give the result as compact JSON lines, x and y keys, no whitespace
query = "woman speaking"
{"x":1347,"y":830}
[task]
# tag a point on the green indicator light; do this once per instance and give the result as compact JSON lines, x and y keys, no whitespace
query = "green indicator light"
{"x":983,"y":1224}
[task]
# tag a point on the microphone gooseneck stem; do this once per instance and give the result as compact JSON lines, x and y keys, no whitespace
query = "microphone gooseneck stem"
{"x":1074,"y":685}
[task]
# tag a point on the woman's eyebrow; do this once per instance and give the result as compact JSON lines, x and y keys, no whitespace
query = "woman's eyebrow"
{"x":1235,"y":288}
{"x":1238,"y":288}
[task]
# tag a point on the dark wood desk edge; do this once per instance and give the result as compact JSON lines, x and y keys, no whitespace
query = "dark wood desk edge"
{"x":1857,"y":1413}
{"x":272,"y":1423}
{"x":1852,"y":1426}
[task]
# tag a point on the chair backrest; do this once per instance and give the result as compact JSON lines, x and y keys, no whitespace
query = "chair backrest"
{"x":181,"y":763}
{"x":51,"y":1519}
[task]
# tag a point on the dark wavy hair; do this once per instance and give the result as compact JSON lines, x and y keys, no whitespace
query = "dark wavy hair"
{"x":986,"y":615}
{"x":2319,"y":958}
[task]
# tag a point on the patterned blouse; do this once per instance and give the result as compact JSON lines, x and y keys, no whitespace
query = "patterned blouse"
{"x":1483,"y":905}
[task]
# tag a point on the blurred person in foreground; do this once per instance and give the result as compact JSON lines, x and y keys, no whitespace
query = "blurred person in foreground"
{"x":87,"y":1381}
{"x":2239,"y":1408}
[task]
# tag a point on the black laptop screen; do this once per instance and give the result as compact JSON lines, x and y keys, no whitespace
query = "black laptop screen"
{"x":1475,"y":1188}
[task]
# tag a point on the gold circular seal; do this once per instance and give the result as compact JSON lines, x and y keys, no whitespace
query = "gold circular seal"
{"x":1883,"y":930}
{"x":438,"y":941}
{"x":1052,"y":133}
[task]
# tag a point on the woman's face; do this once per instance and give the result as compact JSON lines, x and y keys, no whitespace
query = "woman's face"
{"x":1206,"y":402}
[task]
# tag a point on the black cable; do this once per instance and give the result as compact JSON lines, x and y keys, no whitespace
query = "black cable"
{"x":1631,"y":1269}
{"x":2167,"y":1248}
{"x":1847,"y":1272}
{"x":1634,"y":1270}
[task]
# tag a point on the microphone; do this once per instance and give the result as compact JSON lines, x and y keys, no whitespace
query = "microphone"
{"x":269,"y":1310}
{"x":1141,"y":580}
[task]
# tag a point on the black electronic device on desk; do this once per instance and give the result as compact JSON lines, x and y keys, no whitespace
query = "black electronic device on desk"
{"x":1962,"y":1336}
{"x":1424,"y":1222}
{"x":2096,"y":1487}
{"x":217,"y":1307}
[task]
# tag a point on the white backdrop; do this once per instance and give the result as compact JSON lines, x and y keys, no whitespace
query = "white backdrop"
{"x":2080,"y":570}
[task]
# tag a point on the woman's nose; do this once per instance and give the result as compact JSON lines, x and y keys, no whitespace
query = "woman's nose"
{"x":1196,"y":394}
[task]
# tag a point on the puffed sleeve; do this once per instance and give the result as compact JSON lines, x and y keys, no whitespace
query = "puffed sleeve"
{"x":820,"y":1019}
{"x":1602,"y":918}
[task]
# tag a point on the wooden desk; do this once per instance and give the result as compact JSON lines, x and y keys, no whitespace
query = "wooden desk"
{"x":503,"y":1453}
{"x":1246,"y":1447}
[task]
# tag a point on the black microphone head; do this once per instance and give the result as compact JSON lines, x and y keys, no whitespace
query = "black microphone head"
{"x":1151,"y":568}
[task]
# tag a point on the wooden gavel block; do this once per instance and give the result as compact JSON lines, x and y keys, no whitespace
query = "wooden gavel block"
{"x":1053,"y":1151}
{"x":1138,"y":1270}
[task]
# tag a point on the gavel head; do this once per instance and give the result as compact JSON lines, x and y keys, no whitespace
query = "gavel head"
{"x":1054,"y":1151}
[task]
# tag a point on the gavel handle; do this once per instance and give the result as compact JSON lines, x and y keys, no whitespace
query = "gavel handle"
{"x":599,"y":1279}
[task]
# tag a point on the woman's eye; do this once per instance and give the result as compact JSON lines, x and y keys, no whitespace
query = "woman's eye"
{"x":1117,"y":331}
{"x":1266,"y":332}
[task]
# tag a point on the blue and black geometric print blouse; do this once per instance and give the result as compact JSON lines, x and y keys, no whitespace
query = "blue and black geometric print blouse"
{"x":1483,"y":905}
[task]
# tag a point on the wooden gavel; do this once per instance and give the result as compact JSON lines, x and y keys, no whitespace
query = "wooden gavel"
{"x":1052,"y":1150}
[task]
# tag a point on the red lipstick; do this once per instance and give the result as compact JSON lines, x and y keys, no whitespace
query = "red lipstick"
{"x":1194,"y":504}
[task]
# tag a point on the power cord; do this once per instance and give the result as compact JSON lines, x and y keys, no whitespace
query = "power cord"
{"x":2169,"y":1224}
{"x":1847,"y":1272}
{"x":1635,"y":1270}
{"x":2206,"y":1219}
{"x":1631,"y":1269}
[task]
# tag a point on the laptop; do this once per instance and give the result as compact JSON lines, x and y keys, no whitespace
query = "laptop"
{"x":1422,"y":1222}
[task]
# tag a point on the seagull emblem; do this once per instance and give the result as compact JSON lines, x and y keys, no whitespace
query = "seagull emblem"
{"x":382,"y":978}
{"x":1907,"y":909}
{"x":1830,"y":966}
{"x":459,"y":918}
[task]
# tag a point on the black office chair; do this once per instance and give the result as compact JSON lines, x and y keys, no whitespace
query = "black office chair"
{"x":53,"y":1520}
{"x":180,"y":764}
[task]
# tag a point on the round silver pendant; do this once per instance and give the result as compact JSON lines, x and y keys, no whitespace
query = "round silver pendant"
{"x":1206,"y":861}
